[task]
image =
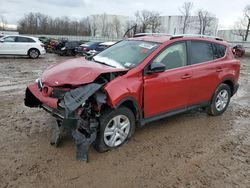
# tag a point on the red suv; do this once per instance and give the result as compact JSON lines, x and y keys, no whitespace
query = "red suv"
{"x":136,"y":81}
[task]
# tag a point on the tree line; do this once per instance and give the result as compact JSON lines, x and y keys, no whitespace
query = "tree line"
{"x":38,"y":23}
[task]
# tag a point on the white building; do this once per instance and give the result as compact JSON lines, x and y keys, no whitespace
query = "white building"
{"x":105,"y":25}
{"x":174,"y":25}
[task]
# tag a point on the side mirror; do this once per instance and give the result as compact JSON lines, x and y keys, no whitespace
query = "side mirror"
{"x":1,"y":40}
{"x":156,"y":68}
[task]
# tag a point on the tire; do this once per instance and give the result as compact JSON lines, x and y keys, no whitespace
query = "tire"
{"x":220,"y":100}
{"x":33,"y":53}
{"x":119,"y":134}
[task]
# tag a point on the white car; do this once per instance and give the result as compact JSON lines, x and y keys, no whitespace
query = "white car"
{"x":21,"y":45}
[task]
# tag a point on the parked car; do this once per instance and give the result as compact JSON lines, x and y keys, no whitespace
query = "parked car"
{"x":68,"y":48}
{"x":238,"y":50}
{"x":51,"y":46}
{"x":44,"y":40}
{"x":84,"y":48}
{"x":132,"y":83}
{"x":21,"y":45}
{"x":101,"y":47}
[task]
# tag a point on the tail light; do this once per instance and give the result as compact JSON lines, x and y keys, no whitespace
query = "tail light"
{"x":85,"y":49}
{"x":42,"y":45}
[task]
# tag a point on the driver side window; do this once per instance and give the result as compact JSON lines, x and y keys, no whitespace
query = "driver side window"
{"x":173,"y":56}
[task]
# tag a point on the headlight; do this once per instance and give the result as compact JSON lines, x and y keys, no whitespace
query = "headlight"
{"x":39,"y":83}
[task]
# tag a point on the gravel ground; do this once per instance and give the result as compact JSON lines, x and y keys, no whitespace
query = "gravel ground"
{"x":188,"y":150}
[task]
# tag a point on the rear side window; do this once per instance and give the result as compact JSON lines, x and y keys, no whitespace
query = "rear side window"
{"x":219,"y":51}
{"x":201,"y":52}
{"x":24,"y":39}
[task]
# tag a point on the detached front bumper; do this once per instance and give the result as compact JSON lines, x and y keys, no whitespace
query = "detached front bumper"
{"x":35,"y":98}
{"x":83,"y":131}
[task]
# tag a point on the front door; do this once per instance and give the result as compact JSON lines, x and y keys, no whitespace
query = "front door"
{"x":168,"y":90}
{"x":8,"y":46}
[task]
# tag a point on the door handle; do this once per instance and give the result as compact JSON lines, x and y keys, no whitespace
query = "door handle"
{"x":186,"y":76}
{"x":219,"y":69}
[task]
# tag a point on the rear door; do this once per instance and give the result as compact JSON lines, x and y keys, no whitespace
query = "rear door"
{"x":169,"y":90}
{"x":23,"y":44}
{"x":8,"y":46}
{"x":206,"y":69}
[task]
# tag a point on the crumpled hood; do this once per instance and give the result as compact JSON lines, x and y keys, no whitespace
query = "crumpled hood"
{"x":75,"y":72}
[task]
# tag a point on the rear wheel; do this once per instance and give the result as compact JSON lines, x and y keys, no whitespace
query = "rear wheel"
{"x":220,"y":100}
{"x":116,"y":127}
{"x":33,"y":53}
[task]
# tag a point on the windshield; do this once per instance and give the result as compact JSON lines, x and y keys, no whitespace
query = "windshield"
{"x":126,"y":54}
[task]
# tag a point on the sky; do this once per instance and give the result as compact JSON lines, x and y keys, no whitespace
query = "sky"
{"x":227,"y":11}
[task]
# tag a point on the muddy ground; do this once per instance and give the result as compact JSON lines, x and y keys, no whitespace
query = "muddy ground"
{"x":188,"y":150}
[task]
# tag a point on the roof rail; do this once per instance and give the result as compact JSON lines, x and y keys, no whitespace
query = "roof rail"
{"x":194,"y":35}
{"x":151,"y":34}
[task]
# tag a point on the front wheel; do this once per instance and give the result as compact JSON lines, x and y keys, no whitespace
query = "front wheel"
{"x":220,"y":100}
{"x":116,"y":127}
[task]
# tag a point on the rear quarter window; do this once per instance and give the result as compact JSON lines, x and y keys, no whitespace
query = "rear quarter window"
{"x":24,"y":39}
{"x":219,"y":51}
{"x":201,"y":52}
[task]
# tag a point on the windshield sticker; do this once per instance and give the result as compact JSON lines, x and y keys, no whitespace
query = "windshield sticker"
{"x":147,"y":46}
{"x":144,"y":51}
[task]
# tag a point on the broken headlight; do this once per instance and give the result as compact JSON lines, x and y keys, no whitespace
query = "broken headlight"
{"x":39,"y":83}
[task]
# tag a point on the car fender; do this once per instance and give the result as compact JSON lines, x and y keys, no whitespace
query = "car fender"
{"x":121,"y":89}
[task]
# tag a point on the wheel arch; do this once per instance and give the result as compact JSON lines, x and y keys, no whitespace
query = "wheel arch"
{"x":133,"y":105}
{"x":33,"y":48}
{"x":230,"y":83}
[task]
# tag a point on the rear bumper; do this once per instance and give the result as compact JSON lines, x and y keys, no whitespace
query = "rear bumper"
{"x":43,"y":51}
{"x":35,"y":98}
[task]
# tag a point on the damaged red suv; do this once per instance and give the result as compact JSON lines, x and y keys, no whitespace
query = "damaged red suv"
{"x":101,"y":100}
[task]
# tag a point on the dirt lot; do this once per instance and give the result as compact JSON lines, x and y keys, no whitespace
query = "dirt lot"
{"x":188,"y":150}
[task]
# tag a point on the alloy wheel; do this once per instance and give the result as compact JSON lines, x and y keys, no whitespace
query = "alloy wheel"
{"x":116,"y":131}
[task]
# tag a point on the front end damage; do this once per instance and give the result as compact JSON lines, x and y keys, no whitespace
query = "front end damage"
{"x":76,"y":109}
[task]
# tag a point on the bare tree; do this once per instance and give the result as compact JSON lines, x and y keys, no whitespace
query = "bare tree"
{"x":85,"y":26}
{"x":103,"y":19}
{"x":186,"y":13}
{"x":205,"y":20}
{"x":130,"y":29}
{"x":247,"y":18}
{"x":117,"y":26}
{"x":3,"y":22}
{"x":146,"y":20}
{"x":239,"y":29}
{"x":155,"y":21}
{"x":94,"y":24}
{"x":143,"y":19}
